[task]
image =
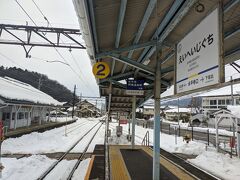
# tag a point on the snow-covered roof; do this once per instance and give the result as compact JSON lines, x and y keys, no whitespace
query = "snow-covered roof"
{"x":13,"y":89}
{"x":71,"y":108}
{"x":224,"y":91}
{"x":235,"y":110}
{"x":175,"y":110}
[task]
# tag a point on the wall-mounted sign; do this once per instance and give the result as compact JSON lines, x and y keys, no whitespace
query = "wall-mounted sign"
{"x":198,"y":56}
{"x":101,"y":70}
{"x":135,"y":87}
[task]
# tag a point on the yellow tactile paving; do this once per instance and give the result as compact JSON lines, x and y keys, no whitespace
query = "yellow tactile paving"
{"x":178,"y":172}
{"x":118,"y":168}
{"x":89,"y":168}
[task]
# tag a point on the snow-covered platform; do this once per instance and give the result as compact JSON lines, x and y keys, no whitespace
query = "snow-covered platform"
{"x":126,"y":163}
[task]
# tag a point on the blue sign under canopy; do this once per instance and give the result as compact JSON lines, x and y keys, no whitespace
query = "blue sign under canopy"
{"x":135,"y":84}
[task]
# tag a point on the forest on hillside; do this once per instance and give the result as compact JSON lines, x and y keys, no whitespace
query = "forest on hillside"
{"x":50,"y":87}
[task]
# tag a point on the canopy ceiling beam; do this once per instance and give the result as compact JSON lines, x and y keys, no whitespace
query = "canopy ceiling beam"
{"x":230,"y":4}
{"x":176,"y":13}
{"x":118,"y":77}
{"x":119,"y":28}
{"x":93,"y":24}
{"x":133,"y":63}
{"x":126,"y":49}
{"x":147,"y":14}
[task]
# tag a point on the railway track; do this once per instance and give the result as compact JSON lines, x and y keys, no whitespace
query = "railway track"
{"x":82,"y":157}
{"x":54,"y":165}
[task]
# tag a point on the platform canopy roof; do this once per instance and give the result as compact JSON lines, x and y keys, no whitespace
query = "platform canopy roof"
{"x":124,"y":34}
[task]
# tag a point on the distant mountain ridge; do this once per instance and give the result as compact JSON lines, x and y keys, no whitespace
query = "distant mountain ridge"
{"x":48,"y":86}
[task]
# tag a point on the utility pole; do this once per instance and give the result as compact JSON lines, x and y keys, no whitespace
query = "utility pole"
{"x":40,"y":82}
{"x":74,"y":94}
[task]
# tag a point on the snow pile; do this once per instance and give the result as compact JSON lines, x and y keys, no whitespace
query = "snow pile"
{"x":49,"y":141}
{"x":219,"y":164}
{"x":16,"y":90}
{"x":81,"y":171}
{"x":235,"y":110}
{"x":181,"y":110}
{"x":62,"y":170}
{"x":26,"y":168}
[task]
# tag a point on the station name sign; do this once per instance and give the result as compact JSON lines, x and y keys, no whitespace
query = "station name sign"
{"x":198,"y":56}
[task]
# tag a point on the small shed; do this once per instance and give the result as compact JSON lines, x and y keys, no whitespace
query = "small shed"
{"x":226,"y":115}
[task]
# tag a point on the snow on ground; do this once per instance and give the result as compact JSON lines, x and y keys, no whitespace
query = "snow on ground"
{"x":81,"y":171}
{"x":61,"y":119}
{"x":168,"y":142}
{"x":219,"y":164}
{"x":99,"y":139}
{"x":62,"y":170}
{"x":49,"y":141}
{"x":199,"y":129}
{"x":27,"y":168}
{"x":84,"y":142}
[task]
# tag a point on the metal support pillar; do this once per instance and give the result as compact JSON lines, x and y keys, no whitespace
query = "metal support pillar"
{"x":133,"y":120}
{"x":156,"y":138}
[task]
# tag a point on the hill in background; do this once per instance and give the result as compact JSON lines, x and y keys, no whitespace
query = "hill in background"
{"x":48,"y":86}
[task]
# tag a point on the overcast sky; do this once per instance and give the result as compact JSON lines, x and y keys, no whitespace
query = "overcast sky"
{"x":60,"y":13}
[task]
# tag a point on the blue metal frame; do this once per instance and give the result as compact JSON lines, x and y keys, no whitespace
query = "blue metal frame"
{"x":147,"y":14}
{"x":93,"y":24}
{"x":229,"y":5}
{"x":119,"y":29}
{"x":133,"y":63}
{"x":126,"y":49}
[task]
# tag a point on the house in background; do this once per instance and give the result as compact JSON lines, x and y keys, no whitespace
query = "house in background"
{"x":86,"y":109}
{"x":23,"y":105}
{"x":218,"y":99}
{"x":183,"y":113}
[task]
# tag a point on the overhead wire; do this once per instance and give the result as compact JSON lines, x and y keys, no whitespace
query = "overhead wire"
{"x":84,"y":82}
{"x":11,"y":60}
{"x":45,"y":35}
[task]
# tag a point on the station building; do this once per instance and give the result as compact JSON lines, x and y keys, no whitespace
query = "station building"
{"x":23,"y":105}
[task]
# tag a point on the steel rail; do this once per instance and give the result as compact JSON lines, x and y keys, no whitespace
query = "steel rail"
{"x":83,"y":154}
{"x":65,"y":154}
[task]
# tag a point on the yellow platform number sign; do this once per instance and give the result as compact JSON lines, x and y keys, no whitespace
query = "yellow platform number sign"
{"x":101,"y":70}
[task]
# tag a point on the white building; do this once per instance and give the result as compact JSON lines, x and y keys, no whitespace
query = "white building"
{"x":215,"y":100}
{"x":23,"y":105}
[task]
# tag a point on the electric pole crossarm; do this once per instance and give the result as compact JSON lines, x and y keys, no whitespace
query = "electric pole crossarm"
{"x":71,"y":35}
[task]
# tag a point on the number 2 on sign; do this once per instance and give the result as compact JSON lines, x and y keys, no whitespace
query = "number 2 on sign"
{"x":101,"y":70}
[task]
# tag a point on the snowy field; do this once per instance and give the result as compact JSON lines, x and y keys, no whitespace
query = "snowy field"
{"x":54,"y":140}
{"x":29,"y":168}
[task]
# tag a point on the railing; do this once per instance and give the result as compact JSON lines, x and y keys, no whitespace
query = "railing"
{"x":145,"y":141}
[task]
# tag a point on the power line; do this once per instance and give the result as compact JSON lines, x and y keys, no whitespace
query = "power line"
{"x":25,"y":12}
{"x":11,"y":60}
{"x":84,"y":82}
{"x":45,"y":34}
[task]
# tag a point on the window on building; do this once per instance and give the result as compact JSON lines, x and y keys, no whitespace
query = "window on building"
{"x":5,"y":116}
{"x":26,"y":115}
{"x":13,"y":116}
{"x":237,"y":101}
{"x":221,"y":102}
{"x":213,"y":102}
{"x":20,"y":115}
{"x":228,"y":101}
